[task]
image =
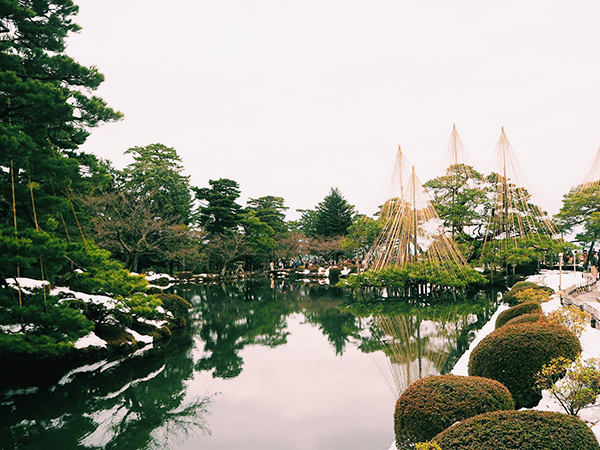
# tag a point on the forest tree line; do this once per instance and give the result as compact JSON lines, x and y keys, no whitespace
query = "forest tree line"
{"x":63,"y":210}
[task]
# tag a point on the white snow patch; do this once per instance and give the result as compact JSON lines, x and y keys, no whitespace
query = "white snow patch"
{"x":26,"y":283}
{"x":90,"y":340}
{"x":140,"y":337}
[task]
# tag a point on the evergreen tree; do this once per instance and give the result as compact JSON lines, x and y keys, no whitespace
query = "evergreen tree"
{"x":333,"y":215}
{"x":459,"y":197}
{"x":581,"y":213}
{"x":46,"y":111}
{"x":219,"y":212}
{"x":270,"y":210}
{"x":155,"y":175}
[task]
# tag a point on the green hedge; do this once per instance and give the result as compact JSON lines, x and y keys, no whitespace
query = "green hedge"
{"x":510,"y":297}
{"x":525,"y":318}
{"x":174,"y":303}
{"x":519,"y":430}
{"x":515,"y":311}
{"x":432,"y":404}
{"x":513,"y":355}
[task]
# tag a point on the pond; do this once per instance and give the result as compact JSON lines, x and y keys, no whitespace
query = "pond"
{"x":262,"y":365}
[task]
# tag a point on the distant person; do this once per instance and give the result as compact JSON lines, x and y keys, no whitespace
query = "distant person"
{"x":593,"y":262}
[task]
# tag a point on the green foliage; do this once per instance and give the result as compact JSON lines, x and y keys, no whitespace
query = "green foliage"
{"x":518,"y":310}
{"x":513,"y":355}
{"x":99,"y":274}
{"x":19,"y":351}
{"x":28,"y":250}
{"x":522,"y":253}
{"x":43,"y":315}
{"x":219,"y":212}
{"x":142,"y":305}
{"x":332,"y":217}
{"x":174,"y":303}
{"x":41,"y":331}
{"x":570,"y":317}
{"x":46,"y":111}
{"x":574,"y":384}
{"x":433,"y":404}
{"x":156,"y":175}
{"x":459,"y":197}
{"x":143,"y":217}
{"x":428,"y":446}
{"x":361,"y":236}
{"x":259,"y":237}
{"x":48,"y":91}
{"x":524,"y":291}
{"x":519,"y":430}
{"x":270,"y":210}
{"x":451,"y":275}
{"x":581,"y":209}
{"x":525,"y":318}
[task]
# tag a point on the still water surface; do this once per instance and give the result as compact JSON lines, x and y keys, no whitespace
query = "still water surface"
{"x":262,"y":365}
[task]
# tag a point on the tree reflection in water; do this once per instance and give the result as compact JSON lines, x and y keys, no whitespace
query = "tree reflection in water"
{"x":144,"y":401}
{"x":421,"y":337}
{"x":137,"y":403}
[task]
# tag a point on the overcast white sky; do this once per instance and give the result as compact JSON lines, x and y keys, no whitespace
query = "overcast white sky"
{"x":291,"y":98}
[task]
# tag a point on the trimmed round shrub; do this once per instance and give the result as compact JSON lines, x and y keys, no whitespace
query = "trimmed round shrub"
{"x":519,"y":310}
{"x":513,"y":355}
{"x":174,"y":303}
{"x":512,"y":297}
{"x":519,"y":430}
{"x":432,"y":404}
{"x":525,"y":318}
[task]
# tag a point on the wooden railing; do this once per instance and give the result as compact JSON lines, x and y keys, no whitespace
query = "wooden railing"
{"x":571,"y":296}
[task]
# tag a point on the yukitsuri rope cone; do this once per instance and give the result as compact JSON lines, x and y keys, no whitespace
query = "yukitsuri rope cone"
{"x":412,"y":351}
{"x":592,"y":176}
{"x":516,"y":222}
{"x":412,"y":235}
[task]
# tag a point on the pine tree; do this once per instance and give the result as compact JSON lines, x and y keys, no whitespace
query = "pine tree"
{"x":46,"y":111}
{"x":333,"y":215}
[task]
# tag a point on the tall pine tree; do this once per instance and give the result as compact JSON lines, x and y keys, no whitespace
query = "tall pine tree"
{"x":331,"y":217}
{"x":46,"y":111}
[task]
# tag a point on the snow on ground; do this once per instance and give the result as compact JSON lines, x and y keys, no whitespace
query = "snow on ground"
{"x":26,"y":283}
{"x":108,"y":302}
{"x":140,"y":337}
{"x":151,"y":276}
{"x":90,"y":340}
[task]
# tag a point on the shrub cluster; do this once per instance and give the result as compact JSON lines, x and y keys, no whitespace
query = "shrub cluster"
{"x":525,"y":318}
{"x":571,"y":317}
{"x":514,"y":355}
{"x":518,"y":310}
{"x":451,"y":275}
{"x":174,"y":303}
{"x":432,"y":404}
{"x":527,"y":291}
{"x":519,"y":430}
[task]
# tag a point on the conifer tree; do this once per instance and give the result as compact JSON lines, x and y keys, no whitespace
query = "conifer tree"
{"x":46,"y":112}
{"x":333,"y":215}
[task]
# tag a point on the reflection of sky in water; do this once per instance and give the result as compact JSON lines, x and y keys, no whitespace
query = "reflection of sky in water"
{"x":316,"y":380}
{"x":298,"y":396}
